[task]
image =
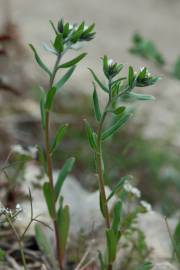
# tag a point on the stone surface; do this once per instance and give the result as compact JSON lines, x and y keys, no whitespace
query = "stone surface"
{"x":164,"y":266}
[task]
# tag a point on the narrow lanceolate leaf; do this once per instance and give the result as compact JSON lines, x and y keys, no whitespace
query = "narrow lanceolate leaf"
{"x":130,"y":76}
{"x":45,"y":246}
{"x":39,"y":61}
{"x":119,"y":110}
{"x":63,"y":174}
{"x":96,"y":104}
{"x":111,"y":245}
{"x":48,"y":194}
{"x":59,"y":135}
{"x":118,"y":186}
{"x":117,"y":217}
{"x":65,"y":78}
{"x":41,"y":157}
{"x":118,"y":124}
{"x":73,"y":61}
{"x":140,"y":96}
{"x":101,"y":205}
{"x":91,"y":135}
{"x":103,"y":87}
{"x":42,"y":109}
{"x":101,"y":261}
{"x":49,"y":98}
{"x":63,"y":219}
{"x":58,"y":43}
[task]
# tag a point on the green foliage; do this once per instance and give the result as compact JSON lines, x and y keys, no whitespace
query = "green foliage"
{"x":68,"y":165}
{"x":45,"y":245}
{"x":49,"y":195}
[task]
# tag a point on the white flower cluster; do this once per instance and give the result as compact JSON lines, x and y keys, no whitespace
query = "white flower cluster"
{"x":110,"y":62}
{"x":146,"y":206}
{"x":30,"y":152}
{"x":148,"y":74}
{"x":131,"y":189}
{"x":12,"y":214}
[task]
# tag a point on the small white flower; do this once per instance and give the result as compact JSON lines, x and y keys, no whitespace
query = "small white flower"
{"x":31,"y":151}
{"x":142,"y":68}
{"x":86,"y":27}
{"x":18,"y":149}
{"x":133,"y":190}
{"x":18,"y":207}
{"x":146,"y":206}
{"x":71,"y":26}
{"x":110,"y":62}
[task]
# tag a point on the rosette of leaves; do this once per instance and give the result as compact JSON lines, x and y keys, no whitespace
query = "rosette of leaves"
{"x":67,"y":37}
{"x":117,"y":88}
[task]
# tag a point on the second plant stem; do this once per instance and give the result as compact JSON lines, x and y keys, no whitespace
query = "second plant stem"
{"x":50,"y":170}
{"x":100,"y":170}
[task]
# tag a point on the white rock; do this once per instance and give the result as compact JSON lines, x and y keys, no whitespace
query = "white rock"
{"x":164,"y":266}
{"x":154,"y":227}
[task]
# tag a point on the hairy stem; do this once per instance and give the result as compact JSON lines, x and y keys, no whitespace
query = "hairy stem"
{"x":50,"y":170}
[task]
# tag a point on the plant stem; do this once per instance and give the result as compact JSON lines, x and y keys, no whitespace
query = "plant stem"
{"x":19,"y":242}
{"x":50,"y":170}
{"x":99,"y":157}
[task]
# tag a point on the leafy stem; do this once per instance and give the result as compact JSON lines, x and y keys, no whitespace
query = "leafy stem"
{"x":49,"y":167}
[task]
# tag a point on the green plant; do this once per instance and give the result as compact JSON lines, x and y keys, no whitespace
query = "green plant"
{"x":117,"y":89}
{"x":67,"y":37}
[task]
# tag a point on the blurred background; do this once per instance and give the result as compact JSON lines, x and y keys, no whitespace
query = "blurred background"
{"x":138,"y":33}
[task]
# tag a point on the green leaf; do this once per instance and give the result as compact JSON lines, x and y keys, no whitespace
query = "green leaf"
{"x":117,"y":217}
{"x":131,"y":76}
{"x":49,"y":98}
{"x":59,"y":135}
{"x":91,"y":135}
{"x":58,"y":43}
{"x":138,"y":96}
{"x":45,"y":246}
{"x":41,"y":157}
{"x":42,"y":110}
{"x":96,"y":104}
{"x":53,"y":27}
{"x":65,"y":78}
{"x":119,"y":110}
{"x":48,"y":194}
{"x":39,"y":61}
{"x":124,"y":117}
{"x":111,"y":245}
{"x":63,"y":174}
{"x":63,"y":219}
{"x":73,"y":61}
{"x":118,"y":186}
{"x":77,"y":34}
{"x":103,"y":87}
{"x":101,"y":261}
{"x":142,"y":74}
{"x":101,"y":204}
